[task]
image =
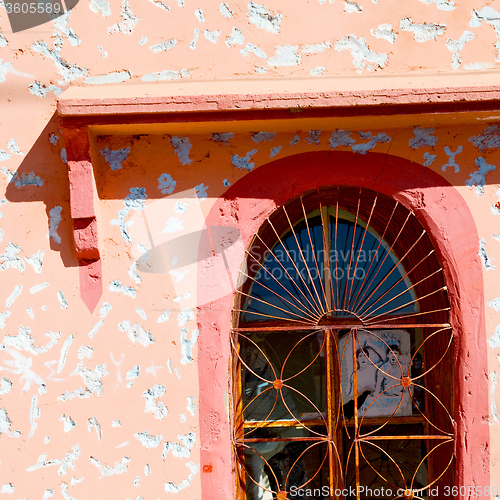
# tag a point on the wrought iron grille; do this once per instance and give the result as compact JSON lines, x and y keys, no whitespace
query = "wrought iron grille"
{"x":342,"y":354}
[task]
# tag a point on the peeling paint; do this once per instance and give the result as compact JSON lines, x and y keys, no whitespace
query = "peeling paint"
{"x":100,"y":7}
{"x":180,"y":450}
{"x":136,"y":333}
{"x":187,"y":345}
{"x":363,"y":56}
{"x":36,"y":261}
{"x":64,"y":353}
{"x":244,"y":162}
{"x":285,"y":55}
{"x":41,"y":90}
{"x":488,"y":139}
{"x":385,"y":32}
{"x":153,"y":403}
{"x":172,"y":488}
{"x":487,"y":261}
{"x":92,"y":380}
{"x":105,"y":470}
{"x":69,"y":423}
{"x":115,"y":158}
{"x":174,"y":224}
{"x":38,"y":288}
{"x":30,"y":179}
{"x":147,"y":440}
{"x":488,"y":15}
{"x":163,"y":317}
{"x":251,"y":48}
{"x":200,"y":191}
{"x":66,"y":463}
{"x":477,"y":179}
{"x":10,"y":260}
{"x":5,"y":385}
{"x":424,"y":32}
{"x":8,"y":488}
{"x":455,"y":46}
{"x":34,"y":415}
{"x":63,"y":304}
{"x":113,"y":77}
{"x":313,"y":137}
{"x":211,"y":36}
{"x":128,"y":22}
{"x":451,"y":158}
{"x":191,"y":407}
{"x":166,"y":184}
{"x":5,"y":425}
{"x":92,"y":423}
{"x":351,"y":7}
{"x":23,"y":341}
{"x":235,"y":38}
{"x":85,"y":351}
{"x":224,"y":10}
{"x":163,"y":46}
{"x":161,"y":5}
{"x":54,"y":221}
{"x":429,"y":159}
{"x":222,"y":138}
{"x":441,"y":4}
{"x":423,"y":137}
{"x":182,"y":147}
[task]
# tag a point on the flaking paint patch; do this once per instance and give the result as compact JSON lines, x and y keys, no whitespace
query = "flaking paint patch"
{"x":14,"y":148}
{"x":85,"y":351}
{"x":198,"y":13}
{"x":13,"y":296}
{"x":5,"y":385}
{"x":194,"y":41}
{"x":212,"y":36}
{"x":488,"y":15}
{"x":441,"y":4}
{"x":68,"y":423}
{"x":115,"y":158}
{"x":429,"y":159}
{"x":191,"y":407}
{"x":34,"y":415}
{"x":313,"y":137}
{"x":10,"y":260}
{"x":352,"y":7}
{"x":100,"y":7}
{"x":222,"y":138}
{"x":166,"y":75}
{"x":316,"y":47}
{"x":163,"y":316}
{"x":20,"y":365}
{"x":182,"y":147}
{"x":173,"y":225}
{"x":163,"y":46}
{"x":54,"y":221}
{"x":66,"y":463}
{"x":260,"y":16}
{"x":423,"y":137}
{"x":166,"y":184}
{"x":36,"y":261}
{"x":147,"y":440}
{"x":118,"y":287}
{"x":38,"y":288}
{"x":105,"y":470}
{"x":285,"y":55}
{"x":28,"y":179}
{"x":487,"y":261}
{"x":172,"y":488}
{"x":92,"y":380}
{"x":251,"y":48}
{"x":161,"y":5}
{"x":63,"y":303}
{"x":200,"y":191}
{"x":128,"y":22}
{"x":7,"y":488}
{"x":385,"y":32}
{"x":423,"y":32}
{"x":113,"y":77}
{"x":477,"y":179}
{"x":180,"y":450}
{"x":495,"y":303}
{"x":136,"y":333}
{"x":187,"y":345}
{"x":3,"y":319}
{"x":236,"y":37}
{"x":263,"y":136}
{"x":64,"y":353}
{"x":92,"y":423}
{"x":244,"y":161}
{"x":224,"y":10}
{"x":451,"y":158}
{"x":41,"y":90}
{"x":493,"y":404}
{"x":455,"y":46}
{"x":5,"y":425}
{"x":487,"y":140}
{"x":153,"y":403}
{"x":363,"y":56}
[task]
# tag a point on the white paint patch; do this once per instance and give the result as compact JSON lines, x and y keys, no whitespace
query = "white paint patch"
{"x":441,"y":4}
{"x":147,"y":470}
{"x":198,"y":13}
{"x":180,"y":208}
{"x":235,"y":38}
{"x":54,"y":221}
{"x":64,"y":353}
{"x":261,"y":17}
{"x":105,"y":309}
{"x":14,"y":148}
{"x":69,"y":423}
{"x":85,"y":351}
{"x":153,"y":403}
{"x":285,"y":55}
{"x":3,"y":41}
{"x":166,"y":184}
{"x":263,"y":136}
{"x":194,"y":41}
{"x":251,"y":48}
{"x":75,"y":480}
{"x":105,"y":470}
{"x":113,"y":77}
{"x":296,"y":139}
{"x":48,"y":494}
{"x":28,"y":179}
{"x":200,"y":191}
{"x":64,"y":155}
{"x":36,"y":261}
{"x":185,"y":316}
{"x":62,"y":300}
{"x":275,"y":151}
{"x":363,"y":56}
{"x":122,"y":445}
{"x":5,"y":425}
{"x":182,"y":147}
{"x":61,"y":28}
{"x":95,"y":329}
{"x":92,"y":423}
{"x":487,"y":261}
{"x":182,"y":418}
{"x":100,"y":7}
{"x":166,"y":75}
{"x":5,"y":68}
{"x":30,"y":312}
{"x":224,"y":10}
{"x":53,"y":139}
{"x":174,"y":224}
{"x":23,"y":341}
{"x":21,"y":366}
{"x":487,"y":139}
{"x":118,"y":287}
{"x":38,"y":288}
{"x":212,"y":36}
{"x":429,"y":159}
{"x":132,"y":374}
{"x":180,"y":450}
{"x":141,"y":313}
{"x":143,"y":40}
{"x":455,"y":46}
{"x":477,"y":179}
{"x":163,"y":46}
{"x":3,"y":319}
{"x":451,"y":158}
{"x":115,"y":158}
{"x":313,"y":137}
{"x":243,"y":162}
{"x":5,"y":385}
{"x":34,"y":415}
{"x":191,"y":407}
{"x":136,"y":481}
{"x":424,"y":32}
{"x":187,"y":345}
{"x":385,"y":32}
{"x":318,"y":71}
{"x":66,"y":463}
{"x":92,"y":380}
{"x":8,"y":488}
{"x":341,"y":138}
{"x":367,"y":146}
{"x":495,"y":303}
{"x":136,"y":333}
{"x":492,"y":17}
{"x":116,"y":423}
{"x":163,"y":317}
{"x":351,"y":7}
{"x":9,"y":258}
{"x":128,"y":22}
{"x":147,"y":440}
{"x":172,"y":488}
{"x":315,"y":48}
{"x":478,"y":66}
{"x":493,"y":406}
{"x":41,"y":90}
{"x":169,"y":366}
{"x":423,"y":137}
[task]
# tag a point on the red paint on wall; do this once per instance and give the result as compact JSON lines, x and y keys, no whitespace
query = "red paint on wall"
{"x":446,"y":217}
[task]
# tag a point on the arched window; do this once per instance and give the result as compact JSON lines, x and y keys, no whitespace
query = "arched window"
{"x":342,"y":354}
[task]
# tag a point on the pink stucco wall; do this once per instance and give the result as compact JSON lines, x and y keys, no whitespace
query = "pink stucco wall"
{"x":105,"y":404}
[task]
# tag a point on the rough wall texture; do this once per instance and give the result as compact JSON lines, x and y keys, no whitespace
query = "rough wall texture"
{"x":105,"y":404}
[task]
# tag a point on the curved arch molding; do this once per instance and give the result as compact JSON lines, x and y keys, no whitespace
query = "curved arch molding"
{"x":446,"y":217}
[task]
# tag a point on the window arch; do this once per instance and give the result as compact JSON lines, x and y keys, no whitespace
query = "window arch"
{"x":442,"y":212}
{"x":342,"y":359}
